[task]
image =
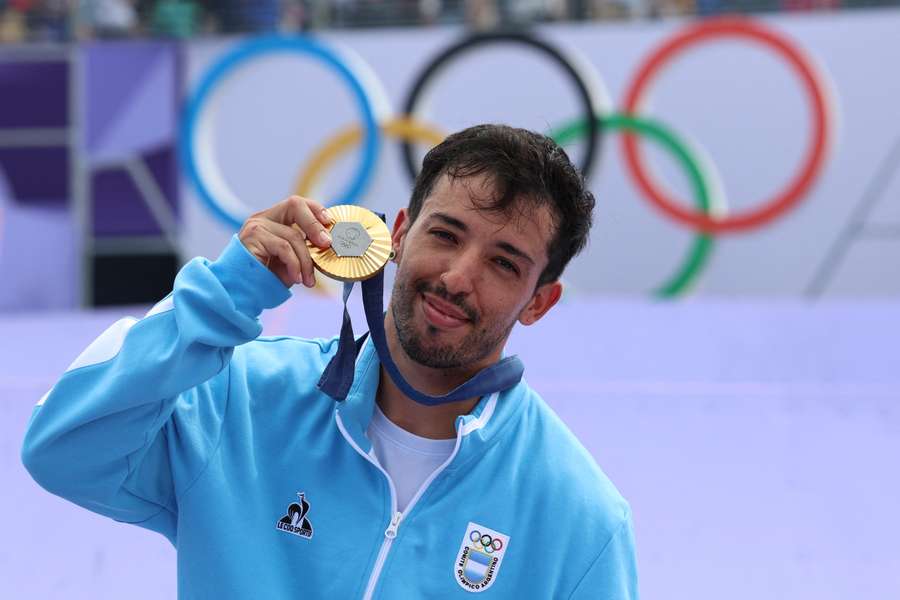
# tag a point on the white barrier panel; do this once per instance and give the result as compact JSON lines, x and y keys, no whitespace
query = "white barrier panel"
{"x":735,"y":100}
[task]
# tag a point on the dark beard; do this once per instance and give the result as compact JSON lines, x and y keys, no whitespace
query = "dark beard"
{"x":477,"y":345}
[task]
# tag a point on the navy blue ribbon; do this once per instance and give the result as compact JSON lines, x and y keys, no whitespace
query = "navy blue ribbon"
{"x":337,"y":378}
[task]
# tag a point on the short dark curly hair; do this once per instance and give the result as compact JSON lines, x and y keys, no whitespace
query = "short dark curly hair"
{"x":528,"y":170}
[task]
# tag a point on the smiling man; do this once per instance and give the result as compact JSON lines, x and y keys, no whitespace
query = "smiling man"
{"x":189,"y":424}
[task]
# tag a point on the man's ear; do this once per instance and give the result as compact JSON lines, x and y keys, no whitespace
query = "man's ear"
{"x":543,"y":300}
{"x":401,"y":227}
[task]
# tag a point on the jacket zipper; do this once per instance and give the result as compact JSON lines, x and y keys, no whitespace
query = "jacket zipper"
{"x":391,"y":532}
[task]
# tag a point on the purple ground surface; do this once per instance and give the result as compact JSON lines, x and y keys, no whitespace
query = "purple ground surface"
{"x":757,"y":444}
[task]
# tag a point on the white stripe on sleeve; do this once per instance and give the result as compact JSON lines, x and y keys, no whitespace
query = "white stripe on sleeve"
{"x":106,"y":346}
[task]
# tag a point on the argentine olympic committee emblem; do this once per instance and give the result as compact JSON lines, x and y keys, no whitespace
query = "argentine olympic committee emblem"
{"x":479,"y":557}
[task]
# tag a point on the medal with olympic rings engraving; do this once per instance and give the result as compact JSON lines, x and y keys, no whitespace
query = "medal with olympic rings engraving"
{"x":360,"y":244}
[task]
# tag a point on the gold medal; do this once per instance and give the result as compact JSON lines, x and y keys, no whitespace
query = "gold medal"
{"x":360,"y":244}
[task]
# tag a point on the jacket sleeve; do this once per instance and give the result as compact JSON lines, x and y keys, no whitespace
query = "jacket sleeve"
{"x":613,"y":574}
{"x":133,"y":420}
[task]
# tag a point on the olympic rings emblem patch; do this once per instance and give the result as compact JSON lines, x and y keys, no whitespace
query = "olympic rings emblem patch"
{"x":479,"y":558}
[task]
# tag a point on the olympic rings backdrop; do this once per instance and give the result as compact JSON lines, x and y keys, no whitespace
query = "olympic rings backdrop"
{"x":708,"y":174}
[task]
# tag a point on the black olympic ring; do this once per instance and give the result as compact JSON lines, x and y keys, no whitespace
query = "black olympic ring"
{"x":475,"y":40}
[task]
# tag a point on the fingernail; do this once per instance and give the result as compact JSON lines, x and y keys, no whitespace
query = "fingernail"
{"x":324,"y":237}
{"x":326,"y":216}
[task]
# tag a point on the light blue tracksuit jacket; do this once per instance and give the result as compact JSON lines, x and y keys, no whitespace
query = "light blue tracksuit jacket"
{"x":185,"y":423}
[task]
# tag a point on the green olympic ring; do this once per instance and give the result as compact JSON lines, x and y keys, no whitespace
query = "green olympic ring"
{"x":699,"y":179}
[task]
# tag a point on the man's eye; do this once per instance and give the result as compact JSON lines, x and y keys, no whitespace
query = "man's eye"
{"x":506,"y":265}
{"x":444,"y":235}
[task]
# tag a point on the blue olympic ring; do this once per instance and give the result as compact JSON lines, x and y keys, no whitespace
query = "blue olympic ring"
{"x":253,"y":49}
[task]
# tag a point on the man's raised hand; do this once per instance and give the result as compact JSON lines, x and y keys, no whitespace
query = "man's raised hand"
{"x":277,"y":238}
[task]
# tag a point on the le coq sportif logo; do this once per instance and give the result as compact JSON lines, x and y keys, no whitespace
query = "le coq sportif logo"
{"x":295,"y":521}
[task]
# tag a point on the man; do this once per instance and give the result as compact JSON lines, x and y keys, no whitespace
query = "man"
{"x":186,"y":424}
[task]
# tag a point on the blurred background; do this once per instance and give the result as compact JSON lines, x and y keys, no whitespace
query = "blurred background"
{"x":726,"y":347}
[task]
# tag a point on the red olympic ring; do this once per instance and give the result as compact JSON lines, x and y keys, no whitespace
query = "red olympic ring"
{"x":815,"y":158}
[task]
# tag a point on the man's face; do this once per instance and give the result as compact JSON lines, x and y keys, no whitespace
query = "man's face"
{"x":466,"y":275}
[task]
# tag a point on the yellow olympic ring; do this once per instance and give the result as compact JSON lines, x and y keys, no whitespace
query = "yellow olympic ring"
{"x":323,"y":157}
{"x":402,"y":128}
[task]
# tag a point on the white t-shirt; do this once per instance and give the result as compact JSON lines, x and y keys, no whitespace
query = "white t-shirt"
{"x":408,"y":458}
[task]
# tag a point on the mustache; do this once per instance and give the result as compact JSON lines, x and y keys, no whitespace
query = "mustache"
{"x":441,"y":292}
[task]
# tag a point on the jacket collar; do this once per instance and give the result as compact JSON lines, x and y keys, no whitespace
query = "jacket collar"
{"x":476,"y":430}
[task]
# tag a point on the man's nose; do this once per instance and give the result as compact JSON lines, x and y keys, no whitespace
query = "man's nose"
{"x":460,"y":273}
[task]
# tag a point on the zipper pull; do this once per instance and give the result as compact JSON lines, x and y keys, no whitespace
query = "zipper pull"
{"x":391,"y":532}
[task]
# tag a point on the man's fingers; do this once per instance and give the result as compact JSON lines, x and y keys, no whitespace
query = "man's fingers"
{"x":281,"y":232}
{"x":320,"y":212}
{"x":295,"y":236}
{"x":308,"y":214}
{"x":280,"y":248}
{"x":250,"y":233}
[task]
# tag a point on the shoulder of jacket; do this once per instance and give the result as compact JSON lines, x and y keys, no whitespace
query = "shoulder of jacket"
{"x":272,"y":352}
{"x":321,"y":345}
{"x":568,"y":471}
